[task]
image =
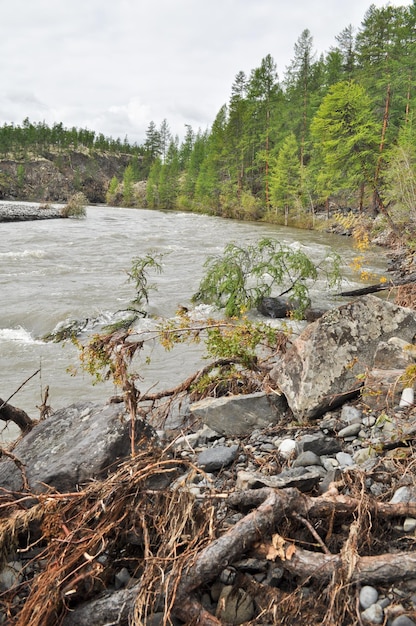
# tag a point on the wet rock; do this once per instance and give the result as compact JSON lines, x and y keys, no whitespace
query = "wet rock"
{"x":239,"y":415}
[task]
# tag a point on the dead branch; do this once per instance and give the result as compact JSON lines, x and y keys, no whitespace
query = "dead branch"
{"x":186,"y":384}
{"x":13,"y":414}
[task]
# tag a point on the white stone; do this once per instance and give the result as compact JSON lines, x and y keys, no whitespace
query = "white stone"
{"x":408,"y":397}
{"x":287,"y":448}
{"x":409,"y":524}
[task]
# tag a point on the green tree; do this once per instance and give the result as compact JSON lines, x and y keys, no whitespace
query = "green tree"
{"x":400,"y":178}
{"x":169,"y":177}
{"x":152,"y":187}
{"x":240,"y":278}
{"x":298,"y":81}
{"x":128,"y":180}
{"x":286,"y":177}
{"x":345,"y":137}
{"x":212,"y":171}
{"x":112,"y":191}
{"x":265,"y":95}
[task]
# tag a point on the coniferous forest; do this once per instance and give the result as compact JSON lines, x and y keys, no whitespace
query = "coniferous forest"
{"x":337,"y":131}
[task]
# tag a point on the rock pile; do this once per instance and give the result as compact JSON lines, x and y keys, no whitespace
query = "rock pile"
{"x":311,"y":483}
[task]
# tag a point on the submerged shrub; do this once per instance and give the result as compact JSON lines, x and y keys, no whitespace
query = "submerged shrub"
{"x":75,"y":206}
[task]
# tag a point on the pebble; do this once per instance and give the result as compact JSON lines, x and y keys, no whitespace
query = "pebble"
{"x":344,"y":459}
{"x":10,"y":574}
{"x":368,"y":596}
{"x":350,"y":414}
{"x":403,"y":494}
{"x":409,"y":524}
{"x":307,"y":458}
{"x":408,"y":397}
{"x":215,"y":458}
{"x":351,"y":430}
{"x":373,"y":614}
{"x":403,"y":620}
{"x":287,"y":448}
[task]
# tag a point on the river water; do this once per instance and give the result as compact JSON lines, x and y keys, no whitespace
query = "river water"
{"x":53,"y":271}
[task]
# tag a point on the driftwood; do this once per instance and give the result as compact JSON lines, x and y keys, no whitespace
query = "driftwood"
{"x":390,"y":284}
{"x":13,"y":414}
{"x":272,"y":506}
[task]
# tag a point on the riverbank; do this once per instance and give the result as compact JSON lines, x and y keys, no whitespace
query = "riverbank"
{"x":265,"y":508}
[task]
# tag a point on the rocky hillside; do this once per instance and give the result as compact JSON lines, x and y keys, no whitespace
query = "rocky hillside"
{"x":55,"y":177}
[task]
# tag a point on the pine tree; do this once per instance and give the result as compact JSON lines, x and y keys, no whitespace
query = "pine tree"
{"x":345,"y":137}
{"x":286,"y":177}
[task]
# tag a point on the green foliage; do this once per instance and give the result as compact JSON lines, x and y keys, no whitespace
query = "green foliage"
{"x":112,"y":191}
{"x":20,"y":175}
{"x":346,"y":139}
{"x":76,"y":206}
{"x":40,"y":138}
{"x":128,"y":179}
{"x":242,"y":340}
{"x":138,"y":275}
{"x":400,"y":176}
{"x":286,"y":177}
{"x":241,"y":277}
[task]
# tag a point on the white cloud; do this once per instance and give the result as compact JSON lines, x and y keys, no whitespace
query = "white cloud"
{"x":115,"y":66}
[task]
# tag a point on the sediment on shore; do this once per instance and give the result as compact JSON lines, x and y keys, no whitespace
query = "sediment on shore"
{"x":14,"y":212}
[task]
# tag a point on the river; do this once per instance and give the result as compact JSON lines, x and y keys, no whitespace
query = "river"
{"x":56,"y":270}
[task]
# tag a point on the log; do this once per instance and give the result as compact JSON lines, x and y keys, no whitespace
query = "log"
{"x":13,"y":414}
{"x":272,"y":505}
{"x":368,"y":570}
{"x":378,"y":287}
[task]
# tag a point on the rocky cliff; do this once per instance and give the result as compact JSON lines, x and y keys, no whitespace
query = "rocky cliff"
{"x":54,"y":177}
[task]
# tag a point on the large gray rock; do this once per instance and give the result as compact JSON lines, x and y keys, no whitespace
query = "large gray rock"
{"x":239,"y":415}
{"x":326,"y":364}
{"x":72,"y":446}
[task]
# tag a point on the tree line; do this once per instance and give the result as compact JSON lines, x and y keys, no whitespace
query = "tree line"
{"x":337,"y":131}
{"x":20,"y":141}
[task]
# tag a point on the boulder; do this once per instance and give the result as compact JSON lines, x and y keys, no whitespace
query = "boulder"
{"x":325,"y":366}
{"x":72,"y":446}
{"x":239,"y":415}
{"x":278,"y":307}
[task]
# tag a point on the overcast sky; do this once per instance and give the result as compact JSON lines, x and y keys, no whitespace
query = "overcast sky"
{"x":112,"y":66}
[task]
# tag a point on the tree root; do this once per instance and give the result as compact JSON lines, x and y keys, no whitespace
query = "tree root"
{"x":179,"y":555}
